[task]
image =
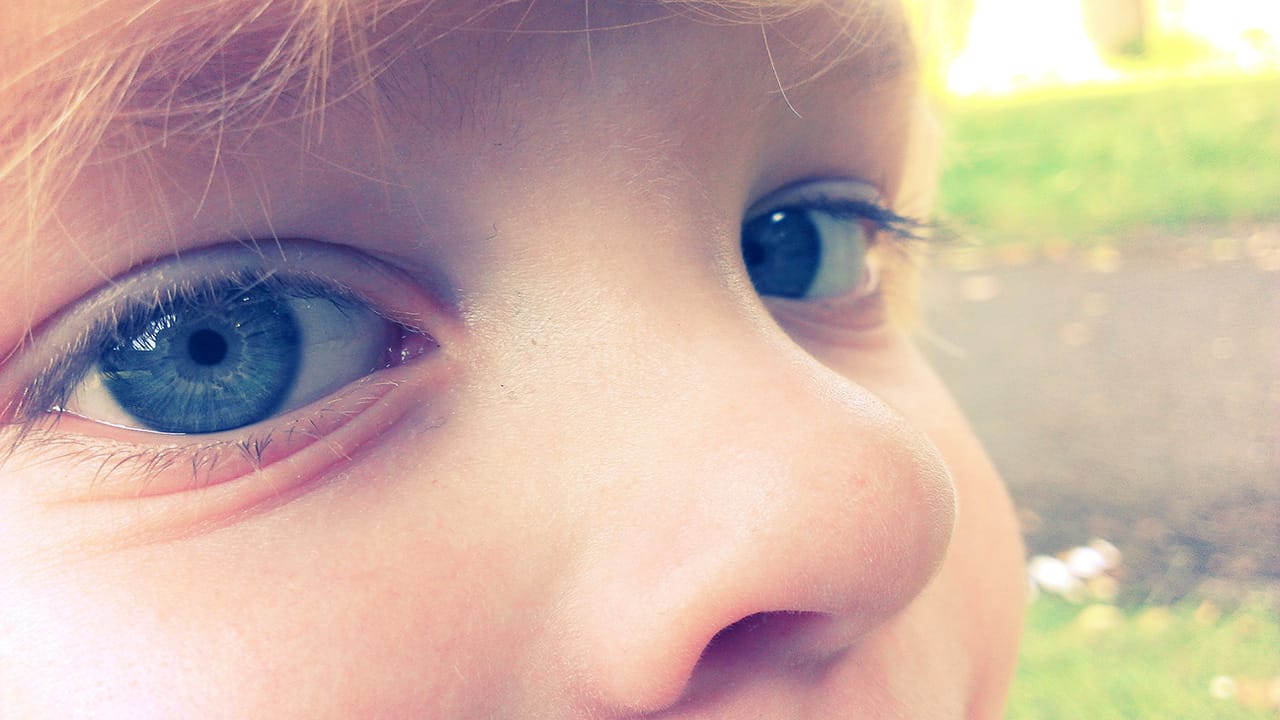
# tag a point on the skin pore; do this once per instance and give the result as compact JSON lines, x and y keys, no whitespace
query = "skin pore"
{"x":596,"y":474}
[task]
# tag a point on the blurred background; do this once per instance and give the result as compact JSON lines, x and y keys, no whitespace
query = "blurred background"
{"x":1107,"y":310}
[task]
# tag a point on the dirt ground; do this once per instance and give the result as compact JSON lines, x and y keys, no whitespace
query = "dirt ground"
{"x":1129,"y":392}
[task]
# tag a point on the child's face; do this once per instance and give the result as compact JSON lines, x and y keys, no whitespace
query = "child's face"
{"x":560,"y":458}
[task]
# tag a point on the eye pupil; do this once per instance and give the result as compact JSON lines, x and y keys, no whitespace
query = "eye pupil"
{"x":206,"y":347}
{"x":782,"y":251}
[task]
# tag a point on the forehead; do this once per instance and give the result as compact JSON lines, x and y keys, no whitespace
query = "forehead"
{"x":232,"y":51}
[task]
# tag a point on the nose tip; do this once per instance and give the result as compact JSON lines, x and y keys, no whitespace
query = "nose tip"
{"x":791,"y":538}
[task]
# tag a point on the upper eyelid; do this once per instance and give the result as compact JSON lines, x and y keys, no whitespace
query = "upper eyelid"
{"x":812,"y":189}
{"x":848,"y":199}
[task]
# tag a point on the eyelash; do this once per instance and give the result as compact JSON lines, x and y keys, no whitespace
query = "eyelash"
{"x":202,"y":459}
{"x":884,"y":221}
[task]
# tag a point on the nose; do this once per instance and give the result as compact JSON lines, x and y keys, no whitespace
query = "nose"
{"x":778,"y":513}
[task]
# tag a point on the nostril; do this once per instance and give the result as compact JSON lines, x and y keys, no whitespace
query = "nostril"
{"x":763,"y":644}
{"x":785,"y":634}
{"x":732,"y":635}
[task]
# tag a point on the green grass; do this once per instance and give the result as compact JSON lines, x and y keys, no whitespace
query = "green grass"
{"x":1156,"y":663}
{"x":1079,"y":164}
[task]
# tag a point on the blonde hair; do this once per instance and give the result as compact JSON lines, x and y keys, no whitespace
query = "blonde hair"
{"x":185,"y":69}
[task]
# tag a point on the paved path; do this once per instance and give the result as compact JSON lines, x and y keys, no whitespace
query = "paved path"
{"x":1131,"y":395}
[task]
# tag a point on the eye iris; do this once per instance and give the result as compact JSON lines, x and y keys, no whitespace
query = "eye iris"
{"x":207,"y":364}
{"x":783,"y":252}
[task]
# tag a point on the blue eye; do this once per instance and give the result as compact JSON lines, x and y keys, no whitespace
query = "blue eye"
{"x":221,"y":352}
{"x":231,"y":354}
{"x":800,"y":253}
{"x":206,"y":364}
{"x":811,"y":240}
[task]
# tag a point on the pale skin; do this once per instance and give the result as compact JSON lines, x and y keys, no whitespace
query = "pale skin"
{"x":617,"y":483}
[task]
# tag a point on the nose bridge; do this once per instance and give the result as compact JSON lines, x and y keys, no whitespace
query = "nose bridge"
{"x":757,"y":483}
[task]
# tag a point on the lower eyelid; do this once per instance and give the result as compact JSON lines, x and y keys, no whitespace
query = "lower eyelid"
{"x":128,"y":469}
{"x":853,"y":321}
{"x":238,"y":471}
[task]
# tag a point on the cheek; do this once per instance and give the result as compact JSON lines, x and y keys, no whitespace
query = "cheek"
{"x":243,"y":621}
{"x":81,"y":641}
